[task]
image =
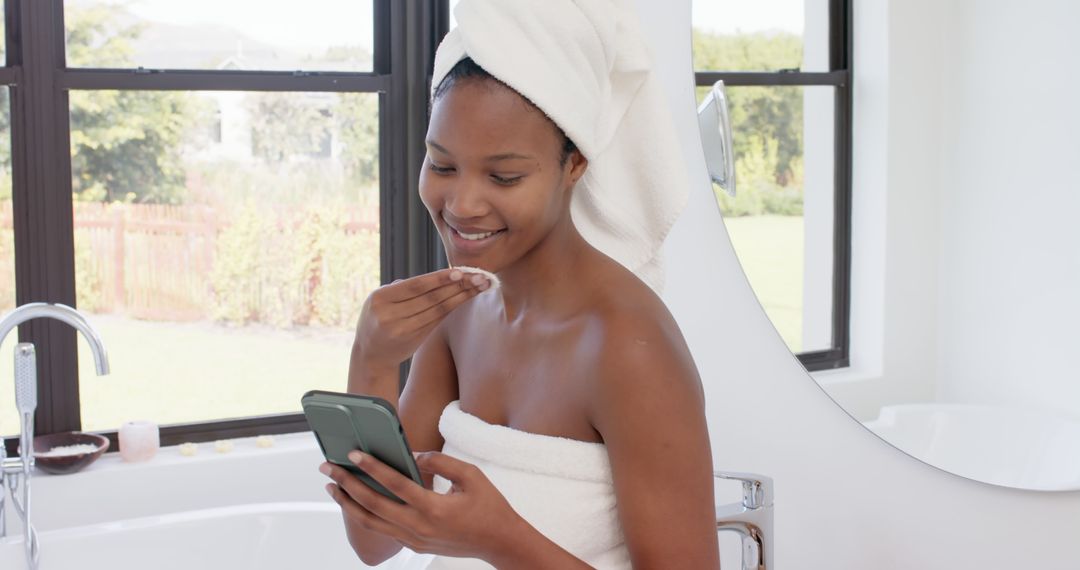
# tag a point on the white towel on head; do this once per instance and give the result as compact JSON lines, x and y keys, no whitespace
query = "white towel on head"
{"x":586,"y":64}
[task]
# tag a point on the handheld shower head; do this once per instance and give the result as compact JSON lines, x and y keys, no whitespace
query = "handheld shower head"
{"x":25,"y":378}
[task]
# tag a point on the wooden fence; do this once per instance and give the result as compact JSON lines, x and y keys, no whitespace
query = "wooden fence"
{"x":148,"y":261}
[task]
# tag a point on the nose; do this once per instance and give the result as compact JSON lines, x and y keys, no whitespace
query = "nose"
{"x":466,"y":200}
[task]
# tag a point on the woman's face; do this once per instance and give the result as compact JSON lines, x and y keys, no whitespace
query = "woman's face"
{"x":492,"y":173}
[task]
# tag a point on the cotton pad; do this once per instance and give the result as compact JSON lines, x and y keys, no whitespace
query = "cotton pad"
{"x":491,"y":276}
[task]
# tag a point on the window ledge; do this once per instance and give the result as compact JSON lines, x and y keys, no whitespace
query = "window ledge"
{"x":111,"y":489}
{"x":849,"y":375}
{"x":170,"y":456}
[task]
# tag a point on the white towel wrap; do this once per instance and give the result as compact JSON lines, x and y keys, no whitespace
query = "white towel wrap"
{"x":561,"y":486}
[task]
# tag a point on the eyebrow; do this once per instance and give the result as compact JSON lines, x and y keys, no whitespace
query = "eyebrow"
{"x":492,"y":158}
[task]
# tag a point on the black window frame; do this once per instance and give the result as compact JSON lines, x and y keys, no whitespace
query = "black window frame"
{"x":405,"y":37}
{"x":839,"y":76}
{"x":406,"y":34}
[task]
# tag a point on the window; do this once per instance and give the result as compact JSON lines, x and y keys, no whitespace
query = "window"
{"x":786,"y":65}
{"x":218,"y":192}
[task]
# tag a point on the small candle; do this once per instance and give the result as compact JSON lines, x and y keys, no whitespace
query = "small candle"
{"x":188,"y":449}
{"x":139,"y":440}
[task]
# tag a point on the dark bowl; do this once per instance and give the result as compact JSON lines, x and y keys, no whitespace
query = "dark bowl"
{"x":61,"y":464}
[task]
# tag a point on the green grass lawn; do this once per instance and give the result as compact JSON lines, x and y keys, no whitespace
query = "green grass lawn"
{"x":770,"y":249}
{"x":187,"y":372}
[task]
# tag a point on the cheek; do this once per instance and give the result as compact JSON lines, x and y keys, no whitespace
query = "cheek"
{"x":554,"y":201}
{"x":538,"y":207}
{"x":429,"y":191}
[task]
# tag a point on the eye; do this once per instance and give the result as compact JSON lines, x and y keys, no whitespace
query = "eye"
{"x":441,"y":169}
{"x":505,"y":181}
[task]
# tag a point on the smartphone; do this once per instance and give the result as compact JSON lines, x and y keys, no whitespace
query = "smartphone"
{"x":343,"y":422}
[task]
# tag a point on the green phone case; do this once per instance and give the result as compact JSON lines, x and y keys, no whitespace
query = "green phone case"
{"x":344,"y":422}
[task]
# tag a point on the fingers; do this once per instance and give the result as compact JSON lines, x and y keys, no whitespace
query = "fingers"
{"x":451,"y":468}
{"x":374,"y":502}
{"x":364,"y":518}
{"x":432,"y":315}
{"x":405,"y":488}
{"x":405,"y":289}
{"x":434,"y":297}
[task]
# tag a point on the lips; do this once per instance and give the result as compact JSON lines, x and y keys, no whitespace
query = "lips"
{"x":469,"y":229}
{"x":474,"y":235}
{"x":472,"y":245}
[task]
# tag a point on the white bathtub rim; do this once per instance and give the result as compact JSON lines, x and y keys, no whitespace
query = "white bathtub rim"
{"x":180,"y":517}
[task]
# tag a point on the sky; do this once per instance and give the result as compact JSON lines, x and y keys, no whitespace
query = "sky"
{"x":349,"y":22}
{"x":315,"y":25}
{"x":728,"y":16}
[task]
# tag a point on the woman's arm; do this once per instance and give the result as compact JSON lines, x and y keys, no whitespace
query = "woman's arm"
{"x":432,"y":384}
{"x":532,"y":550}
{"x":649,"y":406}
{"x":372,"y":547}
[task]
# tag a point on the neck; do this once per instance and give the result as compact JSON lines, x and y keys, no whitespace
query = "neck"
{"x":544,"y":280}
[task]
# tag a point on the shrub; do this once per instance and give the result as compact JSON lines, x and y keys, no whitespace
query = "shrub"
{"x":757,"y":191}
{"x":88,"y":282}
{"x":293,"y":268}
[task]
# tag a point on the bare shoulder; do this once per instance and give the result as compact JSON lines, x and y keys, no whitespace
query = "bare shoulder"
{"x":646,"y":402}
{"x":637,"y":348}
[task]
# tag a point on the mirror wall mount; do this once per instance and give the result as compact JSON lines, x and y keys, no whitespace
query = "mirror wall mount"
{"x":715,"y":126}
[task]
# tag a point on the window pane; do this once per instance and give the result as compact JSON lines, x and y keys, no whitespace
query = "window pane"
{"x":9,"y":421}
{"x":760,"y":35}
{"x":267,"y":35}
{"x":3,"y":36}
{"x":224,"y":244}
{"x":781,"y":218}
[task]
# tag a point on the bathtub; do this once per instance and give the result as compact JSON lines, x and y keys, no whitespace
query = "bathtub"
{"x":251,"y":508}
{"x":1008,"y":446}
{"x":262,"y":535}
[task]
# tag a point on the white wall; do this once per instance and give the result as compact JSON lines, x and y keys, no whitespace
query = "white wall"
{"x":1010,"y":261}
{"x":896,"y":206}
{"x":975,"y":208}
{"x":845,"y":499}
{"x":819,"y":182}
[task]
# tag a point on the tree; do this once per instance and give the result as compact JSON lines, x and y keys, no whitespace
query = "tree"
{"x":774,"y":113}
{"x":287,"y":124}
{"x":357,"y":119}
{"x":125,"y":145}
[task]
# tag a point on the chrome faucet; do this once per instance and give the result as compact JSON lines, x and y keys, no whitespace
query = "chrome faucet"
{"x":752,"y":519}
{"x":17,"y":469}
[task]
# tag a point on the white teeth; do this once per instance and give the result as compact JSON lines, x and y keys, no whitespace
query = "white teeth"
{"x":475,"y":236}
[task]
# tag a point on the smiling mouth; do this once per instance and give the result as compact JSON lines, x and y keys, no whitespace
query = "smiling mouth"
{"x":475,"y":238}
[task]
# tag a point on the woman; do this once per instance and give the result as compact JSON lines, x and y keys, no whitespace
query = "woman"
{"x":572,"y":349}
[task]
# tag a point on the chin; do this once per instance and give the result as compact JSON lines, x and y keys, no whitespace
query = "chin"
{"x":471,"y":261}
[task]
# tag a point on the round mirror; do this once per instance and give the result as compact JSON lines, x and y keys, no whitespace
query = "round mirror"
{"x":907,"y":223}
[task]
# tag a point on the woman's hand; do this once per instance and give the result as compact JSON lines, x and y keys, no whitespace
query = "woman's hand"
{"x":472,"y":520}
{"x":397,"y":317}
